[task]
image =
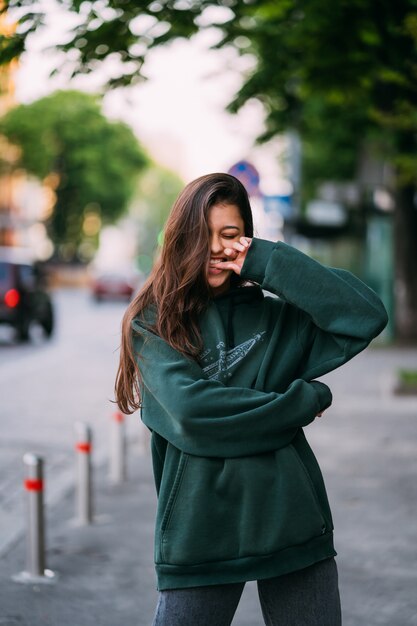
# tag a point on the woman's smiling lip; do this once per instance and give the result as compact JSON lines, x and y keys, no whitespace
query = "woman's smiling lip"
{"x":213,"y":265}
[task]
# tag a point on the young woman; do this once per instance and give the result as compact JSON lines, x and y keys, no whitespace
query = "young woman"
{"x":225,"y":378}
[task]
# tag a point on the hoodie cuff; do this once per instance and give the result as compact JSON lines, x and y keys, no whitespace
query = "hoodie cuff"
{"x":257,"y":257}
{"x":324,"y":394}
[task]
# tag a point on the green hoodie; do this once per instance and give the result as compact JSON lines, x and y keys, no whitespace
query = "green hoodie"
{"x":240,"y":493}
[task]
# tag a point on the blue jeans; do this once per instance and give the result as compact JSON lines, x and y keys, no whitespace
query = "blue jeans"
{"x":308,"y":597}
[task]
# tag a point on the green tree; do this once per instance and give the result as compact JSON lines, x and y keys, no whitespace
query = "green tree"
{"x":343,"y":74}
{"x":94,"y":161}
{"x":156,"y":192}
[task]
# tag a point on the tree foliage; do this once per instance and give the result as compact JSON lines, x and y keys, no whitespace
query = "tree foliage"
{"x":123,"y":29}
{"x":342,"y":74}
{"x":157,"y":191}
{"x":344,"y":69}
{"x":94,"y":161}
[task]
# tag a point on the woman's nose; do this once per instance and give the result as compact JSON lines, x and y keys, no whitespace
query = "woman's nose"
{"x":215,"y":245}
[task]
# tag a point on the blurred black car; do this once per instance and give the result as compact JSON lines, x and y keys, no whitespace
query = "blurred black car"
{"x":24,"y":299}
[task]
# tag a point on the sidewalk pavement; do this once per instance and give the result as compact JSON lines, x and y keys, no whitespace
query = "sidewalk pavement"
{"x":367,"y":447}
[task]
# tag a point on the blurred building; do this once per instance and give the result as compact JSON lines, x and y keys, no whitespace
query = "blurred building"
{"x":350,"y":225}
{"x":7,"y":152}
{"x":24,"y":201}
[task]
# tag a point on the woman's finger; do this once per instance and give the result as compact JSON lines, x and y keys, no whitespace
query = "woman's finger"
{"x":237,"y":253}
{"x":237,"y":247}
{"x":229,"y":265}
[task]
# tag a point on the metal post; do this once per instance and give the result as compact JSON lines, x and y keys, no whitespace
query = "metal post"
{"x":118,"y":449}
{"x":35,"y":542}
{"x":83,"y":446}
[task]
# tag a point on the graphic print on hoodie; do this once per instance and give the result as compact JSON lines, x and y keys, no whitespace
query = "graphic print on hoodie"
{"x":217,"y":366}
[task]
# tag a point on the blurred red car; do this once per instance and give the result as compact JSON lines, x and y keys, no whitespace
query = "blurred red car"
{"x":112,"y":287}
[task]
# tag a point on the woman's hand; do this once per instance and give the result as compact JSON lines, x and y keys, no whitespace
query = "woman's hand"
{"x":237,"y":254}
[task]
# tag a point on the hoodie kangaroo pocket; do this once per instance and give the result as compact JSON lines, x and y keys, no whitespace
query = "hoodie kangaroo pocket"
{"x":223,"y":509}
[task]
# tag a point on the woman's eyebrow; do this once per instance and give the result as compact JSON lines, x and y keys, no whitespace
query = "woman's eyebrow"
{"x":235,"y":227}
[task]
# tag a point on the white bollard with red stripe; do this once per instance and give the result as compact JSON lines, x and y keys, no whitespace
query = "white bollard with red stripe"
{"x":35,"y":543}
{"x":83,"y":446}
{"x":118,"y":449}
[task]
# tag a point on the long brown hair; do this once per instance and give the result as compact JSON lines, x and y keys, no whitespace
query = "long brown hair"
{"x":177,"y":286}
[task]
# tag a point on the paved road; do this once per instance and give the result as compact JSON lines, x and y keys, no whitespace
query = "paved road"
{"x":45,"y":387}
{"x":367,"y":447}
{"x":366,"y":444}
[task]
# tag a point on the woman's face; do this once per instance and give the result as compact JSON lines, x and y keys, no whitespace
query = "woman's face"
{"x":225,"y":226}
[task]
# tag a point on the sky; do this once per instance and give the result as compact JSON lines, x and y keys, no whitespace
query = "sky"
{"x":179,"y":113}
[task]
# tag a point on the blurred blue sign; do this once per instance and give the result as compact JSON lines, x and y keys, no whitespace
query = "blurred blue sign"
{"x":248,"y":176}
{"x":278,"y":204}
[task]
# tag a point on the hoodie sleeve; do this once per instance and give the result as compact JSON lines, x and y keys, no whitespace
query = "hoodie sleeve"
{"x":205,"y":418}
{"x":338,"y":315}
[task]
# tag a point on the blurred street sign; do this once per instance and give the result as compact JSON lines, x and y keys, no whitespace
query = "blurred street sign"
{"x":248,"y":175}
{"x":278,"y":204}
